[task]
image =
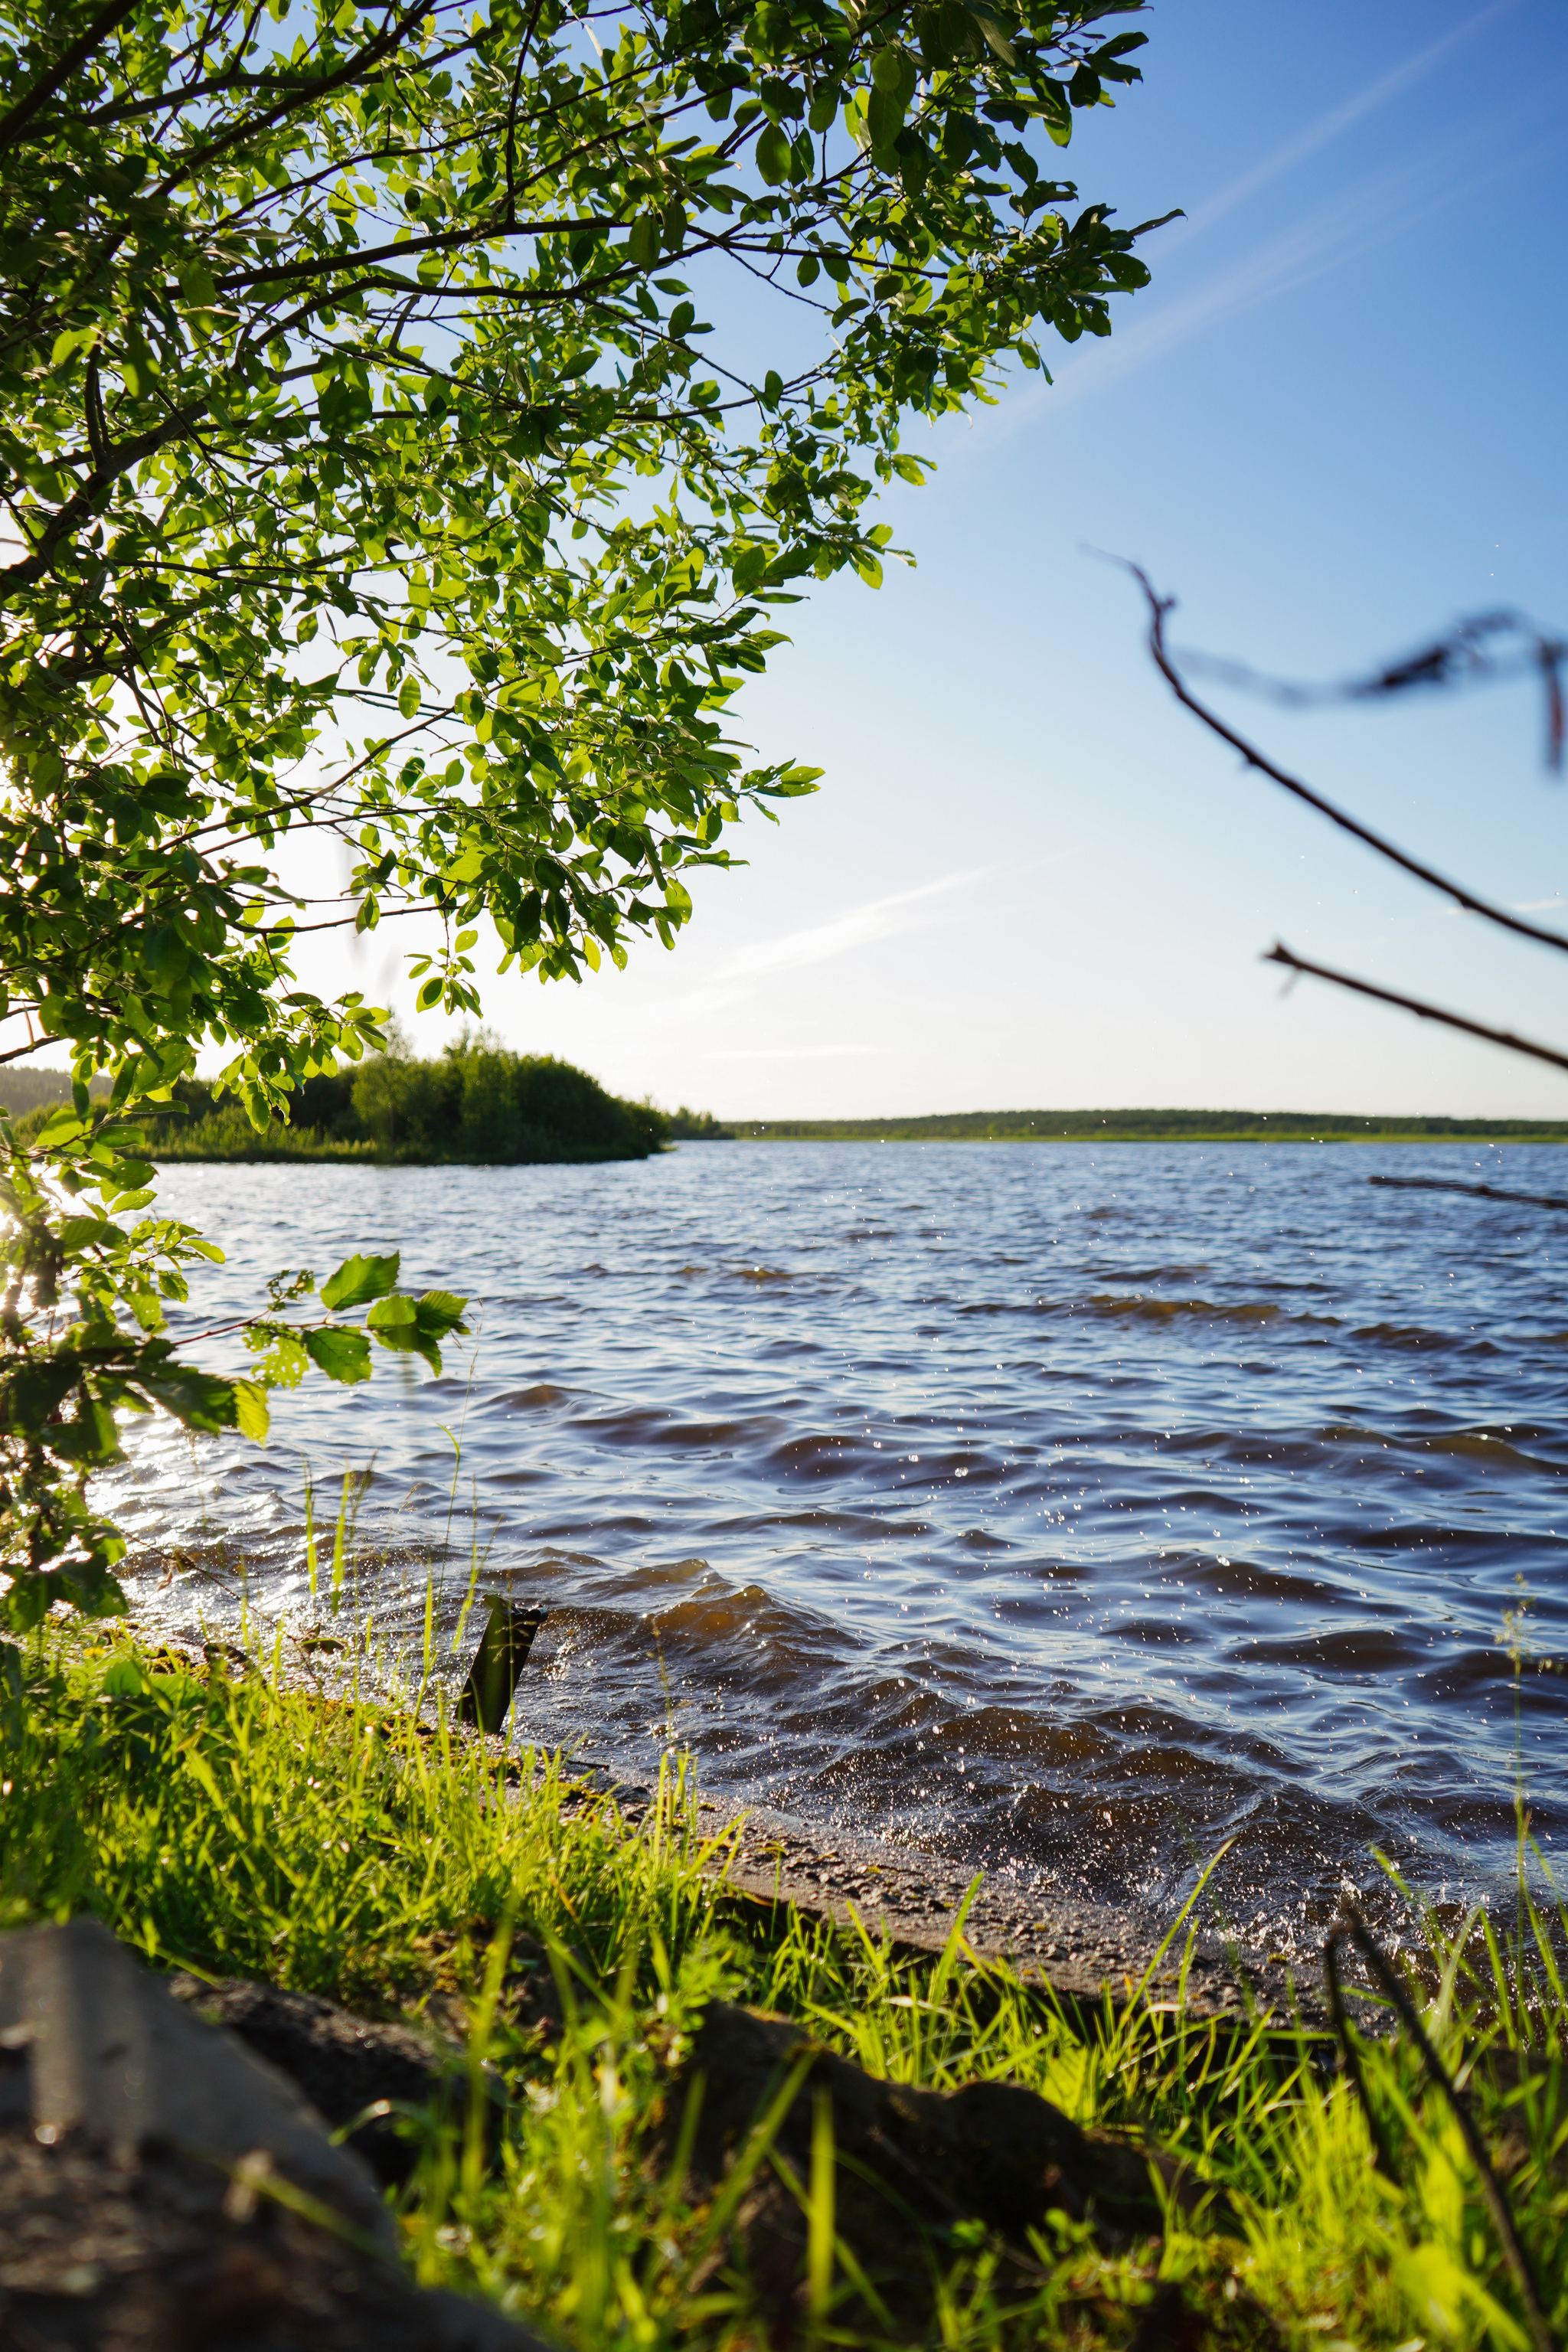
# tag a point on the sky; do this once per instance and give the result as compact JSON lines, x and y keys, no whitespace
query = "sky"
{"x":1331,"y":426}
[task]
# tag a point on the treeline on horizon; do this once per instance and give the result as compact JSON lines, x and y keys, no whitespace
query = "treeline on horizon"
{"x":1147,"y":1126}
{"x":476,"y":1101}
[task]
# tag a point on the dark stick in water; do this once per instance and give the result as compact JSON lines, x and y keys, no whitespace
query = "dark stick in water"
{"x":498,"y":1663}
{"x":1479,"y":1192}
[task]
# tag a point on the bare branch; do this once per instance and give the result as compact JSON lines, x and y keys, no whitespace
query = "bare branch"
{"x":1477,"y":1191}
{"x":1279,"y":953}
{"x":1464,"y":657}
{"x":1159,"y":606}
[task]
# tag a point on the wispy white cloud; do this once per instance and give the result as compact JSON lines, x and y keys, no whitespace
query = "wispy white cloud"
{"x":1386,"y":205}
{"x":1320,"y":133}
{"x":730,"y":982}
{"x":858,"y":927}
{"x":839,"y":1053}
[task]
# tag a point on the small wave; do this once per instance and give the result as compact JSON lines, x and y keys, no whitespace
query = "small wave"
{"x":1145,"y":1277}
{"x":1345,"y":1650}
{"x":1172,"y":1310}
{"x":858,"y":1526}
{"x":1416,"y":1335}
{"x":1156,"y":1632}
{"x":1248,"y":1579}
{"x":1484,"y":1445}
{"x":829,"y":1456}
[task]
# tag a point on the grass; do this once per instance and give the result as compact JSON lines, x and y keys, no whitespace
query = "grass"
{"x":239,"y":1827}
{"x":227,"y":1134}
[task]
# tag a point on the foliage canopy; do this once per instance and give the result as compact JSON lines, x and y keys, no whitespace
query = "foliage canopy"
{"x":369,"y":474}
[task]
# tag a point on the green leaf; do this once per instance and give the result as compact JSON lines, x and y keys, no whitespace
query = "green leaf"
{"x":91,"y":1437}
{"x":644,"y":241}
{"x":126,"y":1679}
{"x":285,"y":1360}
{"x":359,"y":1278}
{"x":29,"y":1600}
{"x":884,"y":117}
{"x":204,"y":1401}
{"x":251,"y":1417}
{"x":772,"y":154}
{"x":392,"y":1315}
{"x":78,"y":1234}
{"x":438,"y":1312}
{"x":61,"y":1127}
{"x":992,"y":29}
{"x":89,"y":1587}
{"x":342,"y":1355}
{"x":398,"y":1324}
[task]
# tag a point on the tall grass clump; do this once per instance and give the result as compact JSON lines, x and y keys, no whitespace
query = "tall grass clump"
{"x":237,"y":1827}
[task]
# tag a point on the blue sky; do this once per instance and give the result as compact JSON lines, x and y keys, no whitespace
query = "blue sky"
{"x":1331,"y":424}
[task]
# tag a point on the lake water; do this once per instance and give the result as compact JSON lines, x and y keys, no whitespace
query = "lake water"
{"x":1068,"y":1507}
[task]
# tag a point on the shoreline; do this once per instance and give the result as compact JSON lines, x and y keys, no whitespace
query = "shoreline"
{"x":721,"y":2075}
{"x":365,"y":1156}
{"x":1077,"y":1951}
{"x":1078,"y":1954}
{"x":1511,"y":1138}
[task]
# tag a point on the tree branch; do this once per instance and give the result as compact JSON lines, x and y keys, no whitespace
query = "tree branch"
{"x":1279,"y":953}
{"x":1159,"y":606}
{"x":107,"y":21}
{"x":1477,"y":1191}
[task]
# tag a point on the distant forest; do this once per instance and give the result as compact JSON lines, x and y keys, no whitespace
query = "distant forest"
{"x":475,"y":1102}
{"x":478,"y":1101}
{"x":1149,"y":1126}
{"x":24,"y":1090}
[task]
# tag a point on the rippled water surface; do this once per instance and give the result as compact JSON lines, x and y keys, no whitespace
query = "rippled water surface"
{"x":1068,"y":1506}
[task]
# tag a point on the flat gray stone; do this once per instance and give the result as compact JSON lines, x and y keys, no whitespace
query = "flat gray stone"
{"x":136,"y":2147}
{"x":109,"y":2054}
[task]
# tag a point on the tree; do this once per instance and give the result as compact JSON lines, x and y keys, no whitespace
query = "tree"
{"x":369,"y":474}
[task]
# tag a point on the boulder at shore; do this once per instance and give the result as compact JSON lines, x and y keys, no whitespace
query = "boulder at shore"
{"x":160,"y":2186}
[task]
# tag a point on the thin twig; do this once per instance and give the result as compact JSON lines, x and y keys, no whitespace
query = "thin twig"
{"x":1159,"y":606}
{"x":1356,"y":1926}
{"x":1460,"y":658}
{"x":1279,"y":953}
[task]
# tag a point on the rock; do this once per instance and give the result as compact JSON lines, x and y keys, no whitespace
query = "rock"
{"x":162,"y":2190}
{"x":106,"y":2051}
{"x":909,"y":2162}
{"x":342,"y":2064}
{"x":345,"y":2064}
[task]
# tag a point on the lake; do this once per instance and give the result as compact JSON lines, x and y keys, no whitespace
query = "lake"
{"x":1069,"y":1508}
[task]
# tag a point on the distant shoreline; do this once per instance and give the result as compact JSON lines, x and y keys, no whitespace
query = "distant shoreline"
{"x":1146,"y":1127}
